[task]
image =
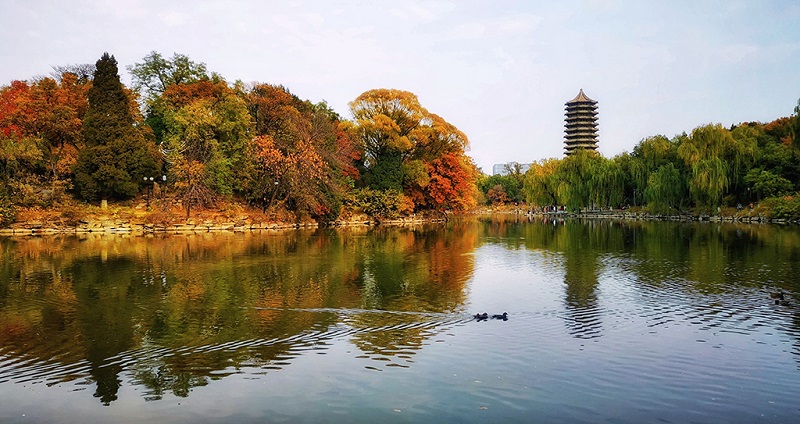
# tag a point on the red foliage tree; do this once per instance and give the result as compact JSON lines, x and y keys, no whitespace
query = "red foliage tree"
{"x":452,"y":183}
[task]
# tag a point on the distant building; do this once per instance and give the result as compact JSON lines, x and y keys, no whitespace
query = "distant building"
{"x":506,"y":168}
{"x":581,"y":124}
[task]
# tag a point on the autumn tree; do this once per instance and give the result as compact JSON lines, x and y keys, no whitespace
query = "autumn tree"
{"x":116,"y":156}
{"x":497,"y":195}
{"x":408,"y":148}
{"x":208,"y":122}
{"x":52,"y":113}
{"x":16,"y":147}
{"x":503,"y":188}
{"x":154,"y":75}
{"x":304,"y":158}
{"x":18,"y":152}
{"x":452,"y":183}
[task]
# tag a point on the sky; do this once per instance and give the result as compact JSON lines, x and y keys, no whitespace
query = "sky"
{"x":500,"y":71}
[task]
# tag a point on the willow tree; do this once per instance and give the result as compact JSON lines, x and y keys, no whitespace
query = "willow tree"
{"x":665,"y":189}
{"x":648,"y":156}
{"x":575,"y":178}
{"x":541,"y":186}
{"x":607,"y":183}
{"x":717,"y":160}
{"x":708,"y":182}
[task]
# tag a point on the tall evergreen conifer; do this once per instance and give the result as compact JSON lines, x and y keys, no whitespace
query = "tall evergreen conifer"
{"x":117,"y":155}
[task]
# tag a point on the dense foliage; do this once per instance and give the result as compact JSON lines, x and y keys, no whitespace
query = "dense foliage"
{"x":81,"y":133}
{"x":410,"y":150}
{"x":116,"y":156}
{"x":710,"y":168}
{"x":84,"y":134}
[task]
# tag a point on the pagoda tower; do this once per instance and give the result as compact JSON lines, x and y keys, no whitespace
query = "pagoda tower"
{"x":581,"y":124}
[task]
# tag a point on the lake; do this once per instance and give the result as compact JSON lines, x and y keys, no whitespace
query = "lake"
{"x":608,"y":321}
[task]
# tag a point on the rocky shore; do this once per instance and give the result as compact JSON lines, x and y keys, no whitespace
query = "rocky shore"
{"x":640,"y":216}
{"x":245,"y":224}
{"x":119,"y":226}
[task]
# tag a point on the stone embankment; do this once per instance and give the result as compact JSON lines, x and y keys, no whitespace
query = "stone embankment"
{"x":117,"y":226}
{"x":636,"y":216}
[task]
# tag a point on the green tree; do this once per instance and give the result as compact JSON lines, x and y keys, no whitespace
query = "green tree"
{"x":155,"y":73}
{"x":575,"y":178}
{"x":503,"y":188}
{"x":541,"y":186}
{"x":718,"y":161}
{"x":607,"y":183}
{"x":116,"y":156}
{"x":766,"y":184}
{"x":708,"y":182}
{"x":665,"y":189}
{"x":795,"y":126}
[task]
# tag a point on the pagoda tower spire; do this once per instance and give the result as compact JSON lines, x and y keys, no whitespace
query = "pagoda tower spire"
{"x":581,"y":124}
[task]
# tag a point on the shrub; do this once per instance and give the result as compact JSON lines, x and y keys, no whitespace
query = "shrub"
{"x":786,"y":207}
{"x":380,"y":204}
{"x":8,"y":212}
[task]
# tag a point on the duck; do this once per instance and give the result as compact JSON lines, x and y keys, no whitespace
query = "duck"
{"x":481,"y":317}
{"x":783,"y":302}
{"x":503,"y":317}
{"x":777,"y":295}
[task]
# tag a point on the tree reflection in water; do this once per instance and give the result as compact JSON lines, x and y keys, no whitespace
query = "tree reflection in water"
{"x":170,"y":313}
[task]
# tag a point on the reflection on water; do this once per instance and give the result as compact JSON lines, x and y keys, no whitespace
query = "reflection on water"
{"x":180,"y":311}
{"x":674,"y":312}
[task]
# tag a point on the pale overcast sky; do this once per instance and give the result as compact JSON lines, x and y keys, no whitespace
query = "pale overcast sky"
{"x":500,"y":71}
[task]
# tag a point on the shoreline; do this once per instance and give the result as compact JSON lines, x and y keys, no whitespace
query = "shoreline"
{"x":122,"y":227}
{"x":756,"y":218}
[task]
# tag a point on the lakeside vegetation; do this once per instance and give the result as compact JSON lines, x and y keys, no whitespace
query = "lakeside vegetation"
{"x":200,"y":143}
{"x":711,"y":168}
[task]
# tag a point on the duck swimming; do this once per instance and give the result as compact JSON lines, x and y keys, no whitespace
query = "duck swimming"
{"x":481,"y":317}
{"x":777,"y":295}
{"x":503,"y":317}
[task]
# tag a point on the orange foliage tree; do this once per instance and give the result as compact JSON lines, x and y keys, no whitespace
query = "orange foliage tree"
{"x":452,"y":183}
{"x":52,"y":113}
{"x":302,"y":154}
{"x":407,"y":147}
{"x":18,"y":152}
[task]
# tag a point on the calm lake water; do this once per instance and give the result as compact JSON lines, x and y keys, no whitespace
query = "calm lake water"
{"x":626,"y":322}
